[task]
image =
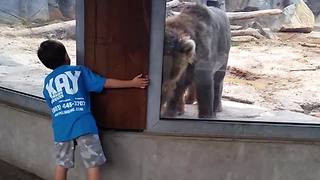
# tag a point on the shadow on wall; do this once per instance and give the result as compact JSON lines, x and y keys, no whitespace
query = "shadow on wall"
{"x":15,"y":11}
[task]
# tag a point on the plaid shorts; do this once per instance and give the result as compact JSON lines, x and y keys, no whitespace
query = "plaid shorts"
{"x":90,"y":150}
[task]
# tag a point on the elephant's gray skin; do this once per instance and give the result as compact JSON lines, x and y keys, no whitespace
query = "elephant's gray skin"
{"x":196,"y":50}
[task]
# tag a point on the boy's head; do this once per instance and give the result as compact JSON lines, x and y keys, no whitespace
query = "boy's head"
{"x":53,"y":54}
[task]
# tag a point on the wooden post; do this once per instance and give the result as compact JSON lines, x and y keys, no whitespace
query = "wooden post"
{"x":117,"y":35}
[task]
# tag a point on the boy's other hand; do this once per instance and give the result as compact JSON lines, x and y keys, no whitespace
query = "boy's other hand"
{"x":140,"y":82}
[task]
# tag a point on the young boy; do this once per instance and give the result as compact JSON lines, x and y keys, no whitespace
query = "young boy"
{"x":67,"y":92}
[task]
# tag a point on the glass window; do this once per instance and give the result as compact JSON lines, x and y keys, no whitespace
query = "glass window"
{"x":267,"y":68}
{"x":23,"y":26}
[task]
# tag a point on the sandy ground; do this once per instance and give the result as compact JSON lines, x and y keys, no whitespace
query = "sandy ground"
{"x":272,"y":81}
{"x":282,"y":74}
{"x":20,"y":68}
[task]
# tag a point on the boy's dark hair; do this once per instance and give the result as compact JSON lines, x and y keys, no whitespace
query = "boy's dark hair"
{"x":52,"y":54}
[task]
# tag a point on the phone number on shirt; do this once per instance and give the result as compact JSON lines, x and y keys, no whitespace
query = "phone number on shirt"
{"x":68,"y":105}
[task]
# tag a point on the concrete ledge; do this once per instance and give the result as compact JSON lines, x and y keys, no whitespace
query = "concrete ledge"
{"x":24,"y":101}
{"x":26,"y":142}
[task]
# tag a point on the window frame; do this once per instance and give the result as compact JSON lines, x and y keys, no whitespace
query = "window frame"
{"x":199,"y":127}
{"x":215,"y":128}
{"x":35,"y":103}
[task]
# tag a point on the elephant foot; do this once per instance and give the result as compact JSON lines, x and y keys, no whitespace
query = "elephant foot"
{"x":180,"y":110}
{"x":190,"y":97}
{"x":207,"y":116}
{"x":189,"y":101}
{"x":179,"y":113}
{"x":171,"y":113}
{"x":219,"y":109}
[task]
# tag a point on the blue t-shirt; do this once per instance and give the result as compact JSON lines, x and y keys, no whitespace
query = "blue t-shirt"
{"x":67,"y":92}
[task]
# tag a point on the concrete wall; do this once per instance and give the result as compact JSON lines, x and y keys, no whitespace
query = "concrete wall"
{"x":25,"y":141}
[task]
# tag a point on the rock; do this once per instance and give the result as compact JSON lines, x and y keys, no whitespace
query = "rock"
{"x":243,"y":39}
{"x":15,"y":11}
{"x":61,"y":30}
{"x":55,"y":13}
{"x":314,"y":5}
{"x":297,"y":18}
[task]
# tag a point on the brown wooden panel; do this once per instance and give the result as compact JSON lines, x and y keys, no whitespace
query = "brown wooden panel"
{"x":90,"y":35}
{"x":117,"y":34}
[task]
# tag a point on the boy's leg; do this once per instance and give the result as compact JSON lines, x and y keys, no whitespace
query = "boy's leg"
{"x":60,"y":173}
{"x":92,"y":154}
{"x":64,"y":158}
{"x":93,"y":173}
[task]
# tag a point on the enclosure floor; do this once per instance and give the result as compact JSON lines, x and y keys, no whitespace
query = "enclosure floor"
{"x":234,"y":111}
{"x":9,"y":172}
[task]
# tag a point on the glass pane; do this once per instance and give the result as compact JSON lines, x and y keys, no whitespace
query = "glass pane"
{"x":270,"y":73}
{"x":23,"y":26}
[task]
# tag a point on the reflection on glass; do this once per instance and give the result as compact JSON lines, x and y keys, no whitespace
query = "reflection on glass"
{"x":270,"y":72}
{"x":23,"y":26}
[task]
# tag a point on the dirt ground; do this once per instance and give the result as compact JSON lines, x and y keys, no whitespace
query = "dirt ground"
{"x":20,"y":68}
{"x":278,"y":74}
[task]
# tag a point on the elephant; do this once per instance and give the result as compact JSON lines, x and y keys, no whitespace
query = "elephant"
{"x":196,"y":51}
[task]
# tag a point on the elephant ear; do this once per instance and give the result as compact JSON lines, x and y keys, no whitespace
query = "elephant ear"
{"x":188,"y":47}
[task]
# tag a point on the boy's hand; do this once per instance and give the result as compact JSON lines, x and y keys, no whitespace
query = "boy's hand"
{"x":140,"y":82}
{"x":136,"y":82}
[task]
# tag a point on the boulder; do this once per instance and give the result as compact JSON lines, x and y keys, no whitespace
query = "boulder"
{"x":15,"y":11}
{"x":249,"y":5}
{"x":314,"y":5}
{"x":297,"y":18}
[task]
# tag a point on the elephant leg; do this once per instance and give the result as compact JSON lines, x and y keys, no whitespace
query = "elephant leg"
{"x":191,"y":94}
{"x":218,"y":87}
{"x":176,"y":104}
{"x":205,"y":93}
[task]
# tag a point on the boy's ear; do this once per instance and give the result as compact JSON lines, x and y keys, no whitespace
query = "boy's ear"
{"x":67,"y":59}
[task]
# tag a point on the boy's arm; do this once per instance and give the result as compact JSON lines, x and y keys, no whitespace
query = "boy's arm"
{"x":136,"y":82}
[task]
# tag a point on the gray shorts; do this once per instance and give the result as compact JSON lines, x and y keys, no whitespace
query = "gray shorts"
{"x":90,"y":150}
